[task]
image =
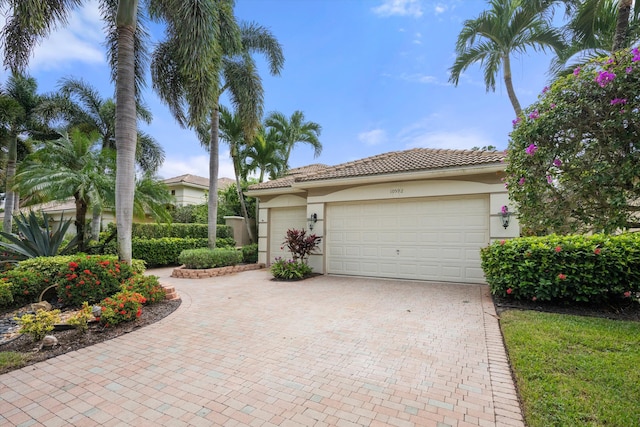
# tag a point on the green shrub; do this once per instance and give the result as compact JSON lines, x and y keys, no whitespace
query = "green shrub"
{"x":91,"y":278}
{"x":165,"y":251}
{"x":26,"y":286}
{"x":80,"y":320}
{"x":592,"y":269}
{"x":6,"y":296}
{"x":289,"y":269}
{"x":37,"y":325}
{"x":250,"y":254}
{"x":207,"y":258}
{"x":124,"y":306}
{"x":158,"y":231}
{"x":147,"y":286}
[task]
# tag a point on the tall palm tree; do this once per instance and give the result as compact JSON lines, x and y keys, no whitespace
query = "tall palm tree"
{"x":72,"y":166}
{"x":508,"y":27}
{"x":233,"y":69}
{"x":294,"y":129}
{"x":597,"y":28}
{"x":266,"y":154}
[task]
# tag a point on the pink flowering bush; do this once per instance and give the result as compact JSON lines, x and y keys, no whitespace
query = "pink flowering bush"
{"x":573,"y":160}
{"x":597,"y":269}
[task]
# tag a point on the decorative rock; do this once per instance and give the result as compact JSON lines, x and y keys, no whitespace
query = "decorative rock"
{"x":96,"y":310}
{"x":49,"y":341}
{"x":42,"y":305}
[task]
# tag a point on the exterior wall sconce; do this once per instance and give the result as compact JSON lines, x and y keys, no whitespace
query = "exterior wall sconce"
{"x":312,"y":220}
{"x":505,"y":216}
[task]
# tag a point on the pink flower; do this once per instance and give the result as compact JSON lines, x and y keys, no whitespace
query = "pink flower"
{"x":515,"y":121}
{"x":627,"y":294}
{"x":576,"y":71}
{"x":502,"y":242}
{"x":534,"y":299}
{"x":545,"y":89}
{"x":557,"y":163}
{"x":534,"y":115}
{"x":596,"y":251}
{"x":562,"y":276}
{"x":618,"y":101}
{"x":509,"y":291}
{"x":531,"y":149}
{"x":553,"y":105}
{"x":558,"y":249}
{"x":604,"y":77}
{"x":521,"y":181}
{"x":549,"y":179}
{"x":628,"y":70}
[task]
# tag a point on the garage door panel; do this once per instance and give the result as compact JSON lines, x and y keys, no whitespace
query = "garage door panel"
{"x":424,"y":239}
{"x":280,"y":220}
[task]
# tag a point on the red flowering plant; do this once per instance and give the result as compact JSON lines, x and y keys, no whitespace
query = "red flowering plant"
{"x":91,"y":278}
{"x":124,"y":306}
{"x":147,"y":286}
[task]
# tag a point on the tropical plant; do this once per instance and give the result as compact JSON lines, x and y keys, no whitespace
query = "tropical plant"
{"x":289,"y":269}
{"x":34,"y":240}
{"x":508,"y":27}
{"x":573,"y":161}
{"x":39,"y":324}
{"x":229,"y":205}
{"x":292,"y":130}
{"x":300,"y":244}
{"x":71,"y":166}
{"x":231,"y":68}
{"x":266,"y":154}
{"x":596,"y":28}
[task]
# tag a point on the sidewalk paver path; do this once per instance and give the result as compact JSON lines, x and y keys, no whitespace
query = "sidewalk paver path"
{"x":243,"y":350}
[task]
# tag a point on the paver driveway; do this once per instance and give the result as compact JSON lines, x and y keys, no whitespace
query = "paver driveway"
{"x":244,"y":350}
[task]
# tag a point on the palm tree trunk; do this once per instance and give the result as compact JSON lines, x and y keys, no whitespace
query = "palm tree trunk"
{"x":9,"y":200}
{"x":622,"y":25}
{"x":243,"y":205}
{"x":96,"y":220}
{"x":508,"y":82}
{"x":213,"y":178}
{"x":126,"y":132}
{"x":81,"y":219}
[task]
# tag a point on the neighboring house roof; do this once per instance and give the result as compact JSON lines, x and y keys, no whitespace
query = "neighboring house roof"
{"x":291,"y":176}
{"x":414,"y":160}
{"x":196,"y":181}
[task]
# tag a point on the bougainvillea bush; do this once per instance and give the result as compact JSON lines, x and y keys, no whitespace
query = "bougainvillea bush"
{"x":594,"y":269}
{"x":574,"y":155}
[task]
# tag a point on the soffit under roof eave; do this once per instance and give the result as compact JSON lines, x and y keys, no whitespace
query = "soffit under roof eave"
{"x":401,"y":176}
{"x":273,"y":191}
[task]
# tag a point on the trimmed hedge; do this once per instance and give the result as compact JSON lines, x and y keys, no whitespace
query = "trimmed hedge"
{"x":158,"y":231}
{"x":207,"y":258}
{"x":593,"y":269}
{"x":250,"y":253}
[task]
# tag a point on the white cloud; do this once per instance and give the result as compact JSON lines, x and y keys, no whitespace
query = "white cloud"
{"x":399,"y":8}
{"x":419,"y":136}
{"x":195,"y":165}
{"x":422,"y":78}
{"x":373,"y":137}
{"x":79,"y":41}
{"x":439,"y":8}
{"x":418,"y":38}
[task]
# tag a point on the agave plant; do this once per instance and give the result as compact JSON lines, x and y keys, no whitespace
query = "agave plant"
{"x":34,"y":240}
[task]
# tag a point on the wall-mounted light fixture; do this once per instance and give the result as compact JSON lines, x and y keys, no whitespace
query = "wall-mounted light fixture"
{"x":312,"y":220}
{"x":505,"y":216}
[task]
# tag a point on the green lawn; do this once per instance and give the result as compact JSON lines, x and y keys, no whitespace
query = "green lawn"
{"x":11,"y":360}
{"x":574,"y":371}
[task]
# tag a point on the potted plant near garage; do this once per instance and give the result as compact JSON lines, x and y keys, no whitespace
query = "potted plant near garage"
{"x":301,"y":246}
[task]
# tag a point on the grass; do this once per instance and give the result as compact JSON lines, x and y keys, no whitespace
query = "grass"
{"x":12,"y":360}
{"x":574,"y":371}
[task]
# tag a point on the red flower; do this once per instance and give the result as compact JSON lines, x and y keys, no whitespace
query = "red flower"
{"x":509,"y":291}
{"x":82,"y":282}
{"x":562,"y":276}
{"x":502,"y":242}
{"x":596,"y":251}
{"x":627,"y":294}
{"x":558,"y":248}
{"x":87,"y":272}
{"x":73,"y":264}
{"x":26,"y":292}
{"x":534,"y":299}
{"x":139,"y":313}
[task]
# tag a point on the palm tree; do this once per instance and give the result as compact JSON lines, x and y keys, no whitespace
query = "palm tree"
{"x":70,"y":166}
{"x":294,"y":129}
{"x":266,"y":154}
{"x":597,"y":28}
{"x":510,"y":26}
{"x":21,"y":100}
{"x":233,"y":69}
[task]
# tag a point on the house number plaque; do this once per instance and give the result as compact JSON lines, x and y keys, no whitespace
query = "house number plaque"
{"x":396,"y":191}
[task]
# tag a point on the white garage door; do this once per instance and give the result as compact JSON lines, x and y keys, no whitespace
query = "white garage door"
{"x":435,"y":239}
{"x":280,"y":220}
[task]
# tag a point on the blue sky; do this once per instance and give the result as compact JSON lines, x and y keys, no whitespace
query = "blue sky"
{"x":372,"y":73}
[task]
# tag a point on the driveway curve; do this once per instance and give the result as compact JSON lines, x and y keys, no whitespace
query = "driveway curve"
{"x":243,"y":350}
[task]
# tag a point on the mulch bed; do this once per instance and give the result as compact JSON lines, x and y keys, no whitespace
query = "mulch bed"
{"x":71,"y":340}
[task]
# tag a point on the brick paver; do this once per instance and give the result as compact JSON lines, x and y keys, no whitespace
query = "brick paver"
{"x":243,"y":350}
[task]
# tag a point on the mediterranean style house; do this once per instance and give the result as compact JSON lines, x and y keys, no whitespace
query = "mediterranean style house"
{"x":421,"y":214}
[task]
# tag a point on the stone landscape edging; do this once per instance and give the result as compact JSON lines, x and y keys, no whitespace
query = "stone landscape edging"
{"x":203,"y":273}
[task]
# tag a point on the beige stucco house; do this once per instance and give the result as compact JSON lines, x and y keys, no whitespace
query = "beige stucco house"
{"x":421,"y":214}
{"x":192,"y":189}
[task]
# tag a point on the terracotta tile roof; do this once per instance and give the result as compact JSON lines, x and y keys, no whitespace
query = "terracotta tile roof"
{"x":417,"y":159}
{"x":197,"y":180}
{"x":291,"y":176}
{"x":414,"y":160}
